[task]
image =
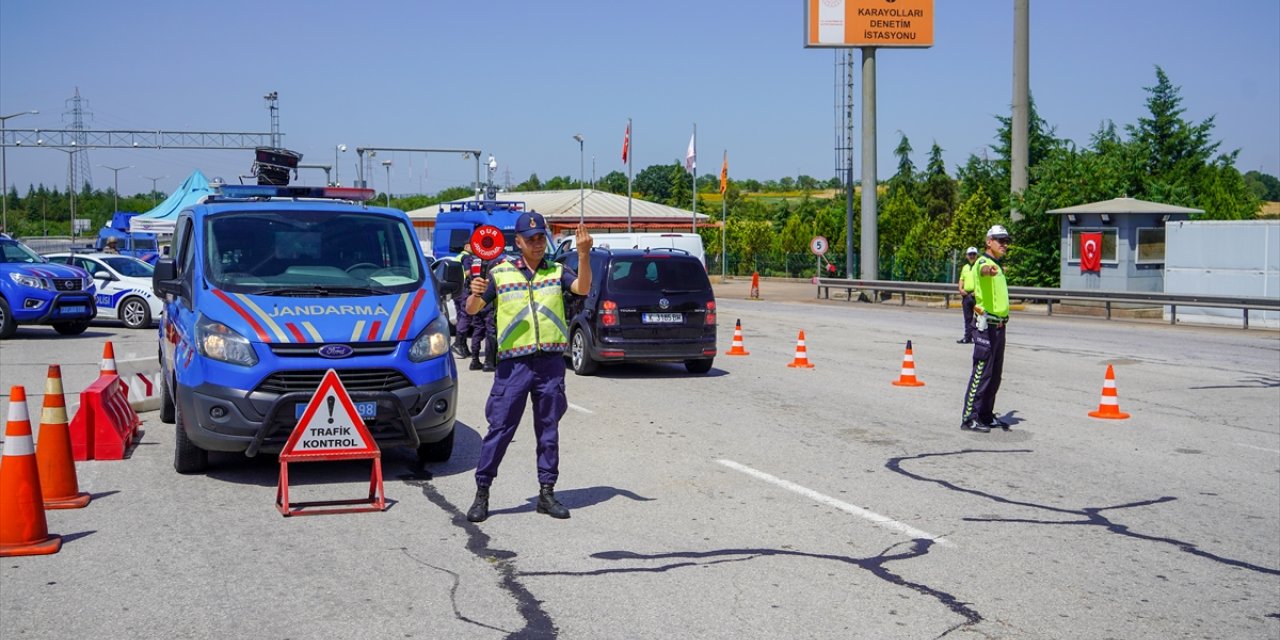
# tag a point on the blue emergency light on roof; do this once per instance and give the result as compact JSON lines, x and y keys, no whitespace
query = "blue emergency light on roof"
{"x":269,"y":191}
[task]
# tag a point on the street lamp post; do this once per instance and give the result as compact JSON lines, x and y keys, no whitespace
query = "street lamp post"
{"x":387,"y":164}
{"x":117,"y":171}
{"x":153,"y":187}
{"x":71,"y":187}
{"x":4,"y":170}
{"x":336,"y":181}
{"x":582,"y":206}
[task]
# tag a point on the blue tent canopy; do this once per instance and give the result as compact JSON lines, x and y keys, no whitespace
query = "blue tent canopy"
{"x":163,"y":218}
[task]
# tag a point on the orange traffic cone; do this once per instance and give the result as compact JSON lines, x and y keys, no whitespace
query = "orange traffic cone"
{"x":58,"y":482}
{"x":908,"y":376}
{"x":23,"y":529}
{"x":802,"y":355}
{"x":1109,"y":406}
{"x":736,"y":349}
{"x":108,"y":360}
{"x":755,"y":286}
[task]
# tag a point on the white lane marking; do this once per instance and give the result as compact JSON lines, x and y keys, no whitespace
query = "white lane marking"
{"x":884,"y":521}
{"x":577,"y":408}
{"x":1249,"y":446}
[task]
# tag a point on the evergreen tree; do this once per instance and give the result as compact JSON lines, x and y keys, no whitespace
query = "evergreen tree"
{"x":939,"y":188}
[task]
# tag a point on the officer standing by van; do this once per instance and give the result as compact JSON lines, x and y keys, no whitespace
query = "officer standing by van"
{"x":966,"y":294}
{"x":991,"y":309}
{"x":532,"y":338}
{"x":462,"y":328}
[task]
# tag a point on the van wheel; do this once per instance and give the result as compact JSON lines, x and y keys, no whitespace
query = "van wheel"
{"x":579,"y":357}
{"x":166,"y":401}
{"x":8,"y":326}
{"x":135,"y":313}
{"x":698,"y":366}
{"x":436,"y":451}
{"x":71,"y":328}
{"x":187,"y":457}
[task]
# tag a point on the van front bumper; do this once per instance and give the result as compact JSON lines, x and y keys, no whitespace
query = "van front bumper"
{"x":219,"y":418}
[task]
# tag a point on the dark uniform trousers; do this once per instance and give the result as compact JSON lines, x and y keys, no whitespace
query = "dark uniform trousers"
{"x":484,"y":330}
{"x":540,"y":376}
{"x":464,"y":319}
{"x":967,"y":302}
{"x":988,"y":365}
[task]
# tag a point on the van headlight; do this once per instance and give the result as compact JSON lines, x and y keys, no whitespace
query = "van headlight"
{"x":433,"y":342}
{"x":220,"y":342}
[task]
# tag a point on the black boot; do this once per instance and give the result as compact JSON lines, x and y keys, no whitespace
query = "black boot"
{"x":548,"y":504}
{"x":460,"y":349}
{"x":479,"y":510}
{"x":490,"y":355}
{"x":475,"y":362}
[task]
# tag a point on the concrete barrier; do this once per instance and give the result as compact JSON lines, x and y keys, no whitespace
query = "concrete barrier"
{"x":143,"y":378}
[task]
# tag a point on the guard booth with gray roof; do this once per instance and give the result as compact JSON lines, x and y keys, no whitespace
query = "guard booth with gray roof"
{"x":1132,"y":243}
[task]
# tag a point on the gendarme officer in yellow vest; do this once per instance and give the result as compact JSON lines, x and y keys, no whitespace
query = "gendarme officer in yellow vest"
{"x":532,"y":338}
{"x":991,"y":309}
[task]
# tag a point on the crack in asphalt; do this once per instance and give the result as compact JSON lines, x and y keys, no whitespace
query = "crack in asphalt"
{"x":1092,"y":516}
{"x":874,"y":564}
{"x":537,"y":622}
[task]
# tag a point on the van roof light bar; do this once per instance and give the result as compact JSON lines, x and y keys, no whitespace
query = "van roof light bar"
{"x":269,"y":191}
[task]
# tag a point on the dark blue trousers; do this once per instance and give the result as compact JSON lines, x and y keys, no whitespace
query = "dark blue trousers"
{"x":540,"y":376}
{"x":984,"y":382}
{"x":966,"y":305}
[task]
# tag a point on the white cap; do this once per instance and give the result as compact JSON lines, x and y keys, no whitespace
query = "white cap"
{"x":970,"y":251}
{"x":997,"y":231}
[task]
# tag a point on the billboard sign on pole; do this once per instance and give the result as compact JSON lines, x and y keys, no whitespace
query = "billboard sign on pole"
{"x":869,"y":23}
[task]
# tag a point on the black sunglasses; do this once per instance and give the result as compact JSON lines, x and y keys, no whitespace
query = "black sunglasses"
{"x":1001,"y":240}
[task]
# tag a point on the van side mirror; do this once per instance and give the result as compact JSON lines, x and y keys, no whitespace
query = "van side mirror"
{"x":448,"y":274}
{"x":164,"y":280}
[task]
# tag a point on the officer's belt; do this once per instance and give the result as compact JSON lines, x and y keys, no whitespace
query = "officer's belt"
{"x":996,"y":320}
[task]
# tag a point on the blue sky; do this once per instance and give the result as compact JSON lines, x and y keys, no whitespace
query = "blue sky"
{"x":518,"y":79}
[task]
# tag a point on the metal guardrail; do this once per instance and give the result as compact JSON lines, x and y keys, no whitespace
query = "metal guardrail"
{"x":1050,"y":296}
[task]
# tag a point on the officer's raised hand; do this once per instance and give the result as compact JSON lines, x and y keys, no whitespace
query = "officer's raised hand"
{"x":583,"y":240}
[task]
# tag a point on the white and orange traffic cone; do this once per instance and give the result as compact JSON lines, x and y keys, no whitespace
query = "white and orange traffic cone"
{"x":58,"y":483}
{"x":908,"y":376}
{"x":755,"y":287}
{"x":736,"y":349}
{"x":23,"y":529}
{"x":1109,"y":406}
{"x":108,"y":367}
{"x":802,"y":355}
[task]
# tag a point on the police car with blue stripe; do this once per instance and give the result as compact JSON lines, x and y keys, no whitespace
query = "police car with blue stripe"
{"x":124,"y":286}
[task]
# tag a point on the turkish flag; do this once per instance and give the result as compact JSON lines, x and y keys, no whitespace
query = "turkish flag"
{"x":626,"y":144}
{"x":1091,"y":251}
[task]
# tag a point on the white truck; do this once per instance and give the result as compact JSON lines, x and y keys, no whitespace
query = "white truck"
{"x":690,"y":242}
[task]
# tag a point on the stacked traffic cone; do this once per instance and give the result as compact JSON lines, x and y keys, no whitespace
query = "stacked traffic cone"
{"x":23,"y":529}
{"x":1109,"y":406}
{"x":755,"y":286}
{"x":802,"y":355}
{"x":736,"y":349}
{"x":908,"y":376}
{"x":108,"y":367}
{"x":58,"y":482}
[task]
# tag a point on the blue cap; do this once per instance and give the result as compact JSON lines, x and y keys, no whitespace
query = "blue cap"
{"x":531,"y":223}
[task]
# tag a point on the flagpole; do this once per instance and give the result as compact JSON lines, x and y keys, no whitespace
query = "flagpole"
{"x":630,"y":165}
{"x":724,"y":209}
{"x":695,"y":177}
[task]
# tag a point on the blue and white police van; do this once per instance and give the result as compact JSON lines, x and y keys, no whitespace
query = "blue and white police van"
{"x":268,"y":288}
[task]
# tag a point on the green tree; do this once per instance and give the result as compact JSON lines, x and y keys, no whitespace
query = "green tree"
{"x":1174,"y":149}
{"x":654,"y":181}
{"x":613,"y":182}
{"x":905,"y":178}
{"x":532,"y":184}
{"x":971,"y":220}
{"x":752,"y":238}
{"x":795,"y":235}
{"x":1264,"y":186}
{"x":939,"y":189}
{"x":896,"y":218}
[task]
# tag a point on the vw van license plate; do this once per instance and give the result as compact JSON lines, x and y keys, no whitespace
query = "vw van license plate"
{"x":367,"y":410}
{"x":662,"y":318}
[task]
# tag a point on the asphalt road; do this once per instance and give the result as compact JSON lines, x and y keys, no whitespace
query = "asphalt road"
{"x":757,"y":501}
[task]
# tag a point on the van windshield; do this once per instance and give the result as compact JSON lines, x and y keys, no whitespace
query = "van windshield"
{"x":311,"y":253}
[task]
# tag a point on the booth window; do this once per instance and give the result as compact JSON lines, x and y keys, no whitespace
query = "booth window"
{"x":1108,"y":244}
{"x":1151,"y":245}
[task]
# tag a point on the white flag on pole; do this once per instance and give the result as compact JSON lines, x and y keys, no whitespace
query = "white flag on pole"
{"x":691,"y":156}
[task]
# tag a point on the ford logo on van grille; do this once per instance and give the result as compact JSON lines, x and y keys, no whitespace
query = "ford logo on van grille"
{"x":335,"y":351}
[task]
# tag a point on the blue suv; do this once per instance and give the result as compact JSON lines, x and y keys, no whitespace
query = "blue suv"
{"x":270,"y":287}
{"x":36,"y":291}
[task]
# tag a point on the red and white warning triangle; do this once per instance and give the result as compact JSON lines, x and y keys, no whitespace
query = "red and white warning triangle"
{"x":330,"y":424}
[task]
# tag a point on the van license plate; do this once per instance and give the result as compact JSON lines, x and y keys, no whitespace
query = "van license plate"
{"x":662,"y":318}
{"x":367,"y":410}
